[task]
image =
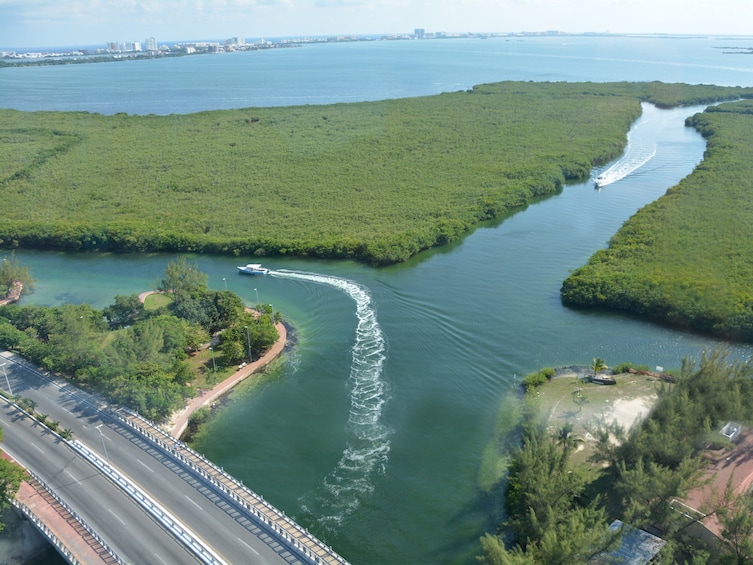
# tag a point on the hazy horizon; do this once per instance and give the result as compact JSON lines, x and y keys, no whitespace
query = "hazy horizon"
{"x":26,"y":24}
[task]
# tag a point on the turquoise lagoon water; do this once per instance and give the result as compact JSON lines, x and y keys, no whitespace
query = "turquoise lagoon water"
{"x":370,"y":430}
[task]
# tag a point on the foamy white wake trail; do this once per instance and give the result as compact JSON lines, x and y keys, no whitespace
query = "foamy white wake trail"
{"x":368,"y":446}
{"x":636,"y":155}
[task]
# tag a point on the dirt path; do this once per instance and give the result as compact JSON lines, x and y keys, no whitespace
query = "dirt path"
{"x":14,"y":295}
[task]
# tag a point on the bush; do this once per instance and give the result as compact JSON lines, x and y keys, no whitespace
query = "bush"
{"x":534,"y":380}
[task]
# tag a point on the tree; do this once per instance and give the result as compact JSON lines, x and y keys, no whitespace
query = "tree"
{"x":233,"y":352}
{"x":125,"y":311}
{"x":183,"y":280}
{"x":736,"y":519}
{"x":566,"y":437}
{"x":11,"y":272}
{"x":597,"y":365}
{"x":11,"y":476}
{"x":647,"y":490}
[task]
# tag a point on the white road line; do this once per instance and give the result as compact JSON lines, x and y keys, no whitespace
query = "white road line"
{"x":158,"y":557}
{"x":193,"y":502}
{"x":118,"y":517}
{"x":248,"y":546}
{"x":35,"y":446}
{"x":145,"y":465}
{"x":67,"y":472}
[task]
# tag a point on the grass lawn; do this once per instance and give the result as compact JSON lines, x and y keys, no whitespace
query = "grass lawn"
{"x":203,"y":369}
{"x":156,"y":301}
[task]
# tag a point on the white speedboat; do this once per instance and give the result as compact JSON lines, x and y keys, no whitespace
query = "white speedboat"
{"x":253,"y":269}
{"x":600,"y":181}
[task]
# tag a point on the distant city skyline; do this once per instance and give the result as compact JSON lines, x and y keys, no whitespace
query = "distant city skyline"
{"x":41,"y":23}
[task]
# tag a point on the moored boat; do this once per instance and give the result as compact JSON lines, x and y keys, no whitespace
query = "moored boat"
{"x":253,"y":269}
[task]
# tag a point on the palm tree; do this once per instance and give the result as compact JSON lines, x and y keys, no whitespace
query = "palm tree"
{"x":567,"y":438}
{"x":597,"y":365}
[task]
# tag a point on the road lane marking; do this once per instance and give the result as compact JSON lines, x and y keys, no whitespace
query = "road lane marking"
{"x":248,"y":546}
{"x":67,"y":472}
{"x":158,"y":557}
{"x":145,"y":465}
{"x":193,"y":502}
{"x":118,"y":517}
{"x":35,"y":446}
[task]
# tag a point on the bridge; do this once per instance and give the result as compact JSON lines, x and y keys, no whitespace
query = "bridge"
{"x":125,"y":491}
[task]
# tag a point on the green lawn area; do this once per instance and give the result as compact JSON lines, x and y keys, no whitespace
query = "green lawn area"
{"x":156,"y":301}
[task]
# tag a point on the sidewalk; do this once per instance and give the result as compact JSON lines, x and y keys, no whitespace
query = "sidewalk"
{"x":179,"y":421}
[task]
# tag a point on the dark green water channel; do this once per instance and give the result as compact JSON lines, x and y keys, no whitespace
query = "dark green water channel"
{"x":378,"y":450}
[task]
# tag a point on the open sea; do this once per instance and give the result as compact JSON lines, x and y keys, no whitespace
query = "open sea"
{"x":370,"y":431}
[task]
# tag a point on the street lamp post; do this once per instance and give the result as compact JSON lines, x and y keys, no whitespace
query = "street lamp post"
{"x":248,"y":340}
{"x":107,"y":456}
{"x":225,"y":281}
{"x":5,"y":372}
{"x":214,"y":365}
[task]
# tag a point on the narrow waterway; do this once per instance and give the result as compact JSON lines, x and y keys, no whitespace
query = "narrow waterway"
{"x":370,"y":430}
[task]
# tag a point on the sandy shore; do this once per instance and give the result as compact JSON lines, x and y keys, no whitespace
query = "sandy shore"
{"x":179,"y":420}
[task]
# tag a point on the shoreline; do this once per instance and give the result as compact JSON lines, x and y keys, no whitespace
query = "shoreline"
{"x":14,"y":295}
{"x":178,"y":421}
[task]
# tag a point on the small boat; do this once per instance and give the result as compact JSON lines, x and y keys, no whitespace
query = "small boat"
{"x":253,"y":269}
{"x":600,"y":181}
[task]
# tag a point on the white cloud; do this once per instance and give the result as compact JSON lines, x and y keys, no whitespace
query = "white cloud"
{"x":70,"y":22}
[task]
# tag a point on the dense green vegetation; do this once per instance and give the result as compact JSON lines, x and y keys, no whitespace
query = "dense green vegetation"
{"x":688,"y":257}
{"x":558,"y":511}
{"x":140,"y":358}
{"x":375,"y":181}
{"x":11,"y":476}
{"x":12,"y":272}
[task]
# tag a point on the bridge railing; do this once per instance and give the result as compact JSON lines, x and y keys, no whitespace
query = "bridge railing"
{"x":46,"y":532}
{"x":114,"y":558}
{"x":287,"y":530}
{"x":194,"y":544}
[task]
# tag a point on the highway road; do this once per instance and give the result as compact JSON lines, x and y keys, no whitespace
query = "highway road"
{"x":211,"y":515}
{"x":130,"y":531}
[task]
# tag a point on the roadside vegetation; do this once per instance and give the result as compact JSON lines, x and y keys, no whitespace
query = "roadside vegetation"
{"x":687,"y":258}
{"x":149,"y":360}
{"x":564,"y":487}
{"x":372,"y":181}
{"x":11,"y":476}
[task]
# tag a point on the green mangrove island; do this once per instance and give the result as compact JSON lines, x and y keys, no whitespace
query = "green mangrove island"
{"x":687,"y":258}
{"x":373,"y":181}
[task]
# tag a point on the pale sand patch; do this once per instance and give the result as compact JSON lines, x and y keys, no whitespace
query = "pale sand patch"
{"x":627,"y":412}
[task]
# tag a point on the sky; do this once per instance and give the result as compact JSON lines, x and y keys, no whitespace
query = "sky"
{"x":72,"y":23}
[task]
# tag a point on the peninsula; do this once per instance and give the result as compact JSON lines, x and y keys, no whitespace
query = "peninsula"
{"x":687,"y":258}
{"x":373,"y":181}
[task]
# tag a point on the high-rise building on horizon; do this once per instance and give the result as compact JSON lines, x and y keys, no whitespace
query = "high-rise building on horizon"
{"x":150,"y":44}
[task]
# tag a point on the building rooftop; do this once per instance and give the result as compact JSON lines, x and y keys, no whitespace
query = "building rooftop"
{"x":727,"y":466}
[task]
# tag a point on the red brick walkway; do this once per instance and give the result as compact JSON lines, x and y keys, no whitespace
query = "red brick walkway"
{"x":181,"y":423}
{"x":14,"y":295}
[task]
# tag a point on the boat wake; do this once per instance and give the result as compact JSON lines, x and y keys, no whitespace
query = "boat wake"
{"x":368,"y":445}
{"x":636,"y":155}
